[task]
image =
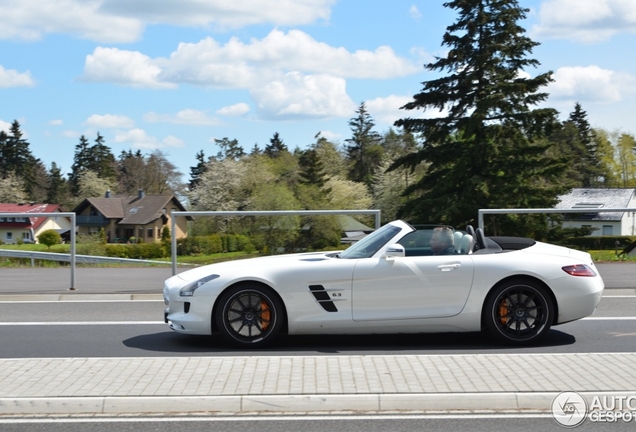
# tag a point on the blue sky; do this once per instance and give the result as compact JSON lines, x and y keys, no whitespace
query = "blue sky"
{"x":176,"y":74}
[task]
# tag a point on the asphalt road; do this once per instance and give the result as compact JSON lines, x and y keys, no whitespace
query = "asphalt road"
{"x":319,"y":423}
{"x":135,"y":329}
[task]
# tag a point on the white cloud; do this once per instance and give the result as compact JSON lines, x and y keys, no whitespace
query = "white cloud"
{"x":186,"y":116}
{"x":235,"y":110}
{"x":4,"y":126}
{"x":13,"y":78}
{"x":71,"y":134}
{"x":388,"y":109}
{"x":129,"y":68}
{"x":590,"y":84}
{"x":31,"y":19}
{"x":240,"y":65}
{"x":414,"y":12}
{"x":110,"y":121}
{"x":587,"y":21}
{"x":330,"y":135}
{"x":223,"y":13}
{"x":125,"y":20}
{"x":138,"y":138}
{"x":304,"y":96}
{"x":56,"y":122}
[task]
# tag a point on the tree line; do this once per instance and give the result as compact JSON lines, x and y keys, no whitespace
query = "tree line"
{"x":490,"y":146}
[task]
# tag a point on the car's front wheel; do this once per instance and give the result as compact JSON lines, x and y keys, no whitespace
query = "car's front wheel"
{"x":249,"y":316}
{"x":519,"y":312}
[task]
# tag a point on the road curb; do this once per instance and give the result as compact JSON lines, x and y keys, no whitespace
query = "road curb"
{"x":279,"y":403}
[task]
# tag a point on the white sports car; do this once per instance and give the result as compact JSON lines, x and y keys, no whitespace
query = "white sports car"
{"x":390,"y":282}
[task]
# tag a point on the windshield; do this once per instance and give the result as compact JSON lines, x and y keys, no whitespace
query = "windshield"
{"x":372,"y":243}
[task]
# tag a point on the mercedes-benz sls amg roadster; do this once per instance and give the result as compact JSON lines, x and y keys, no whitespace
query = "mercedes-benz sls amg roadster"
{"x":390,"y":282}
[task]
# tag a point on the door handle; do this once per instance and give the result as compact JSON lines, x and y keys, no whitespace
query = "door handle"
{"x":449,"y":267}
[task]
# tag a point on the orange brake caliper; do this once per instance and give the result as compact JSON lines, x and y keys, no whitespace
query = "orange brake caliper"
{"x":503,"y":311}
{"x":265,"y":315}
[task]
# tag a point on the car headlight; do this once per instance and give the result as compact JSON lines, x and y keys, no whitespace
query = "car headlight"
{"x":189,"y":289}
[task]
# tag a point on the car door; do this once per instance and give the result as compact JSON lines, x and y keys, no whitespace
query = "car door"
{"x":411,"y":287}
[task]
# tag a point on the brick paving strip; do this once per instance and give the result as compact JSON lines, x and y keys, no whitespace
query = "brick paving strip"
{"x":367,"y":382}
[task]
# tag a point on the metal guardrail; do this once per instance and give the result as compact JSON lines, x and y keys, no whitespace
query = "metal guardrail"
{"x":83,"y":259}
{"x":73,"y":218}
{"x":174,"y":214}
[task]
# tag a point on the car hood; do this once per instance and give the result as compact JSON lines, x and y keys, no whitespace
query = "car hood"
{"x":266,"y":261}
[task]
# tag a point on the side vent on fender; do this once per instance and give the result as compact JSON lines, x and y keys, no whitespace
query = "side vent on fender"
{"x":322,"y":297}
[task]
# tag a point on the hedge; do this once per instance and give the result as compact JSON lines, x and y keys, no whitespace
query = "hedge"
{"x":600,"y":243}
{"x":212,"y":244}
{"x":137,"y":250}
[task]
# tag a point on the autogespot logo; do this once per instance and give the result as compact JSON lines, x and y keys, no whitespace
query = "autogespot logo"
{"x":569,"y":409}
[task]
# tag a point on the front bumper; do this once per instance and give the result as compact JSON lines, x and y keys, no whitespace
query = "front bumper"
{"x":191,"y":315}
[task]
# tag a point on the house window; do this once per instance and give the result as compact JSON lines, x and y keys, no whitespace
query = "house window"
{"x":150,"y":232}
{"x":9,"y":235}
{"x":3,"y":219}
{"x":140,"y":233}
{"x":26,"y":236}
{"x":607,"y":230}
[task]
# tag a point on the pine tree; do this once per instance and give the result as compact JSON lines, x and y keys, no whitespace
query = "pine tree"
{"x":487,"y":150}
{"x":592,"y":165}
{"x":57,"y":191}
{"x":81,"y":162}
{"x":311,"y":169}
{"x":102,"y":159}
{"x":197,"y":171}
{"x":229,"y":149}
{"x":364,"y":152}
{"x":275,"y":147}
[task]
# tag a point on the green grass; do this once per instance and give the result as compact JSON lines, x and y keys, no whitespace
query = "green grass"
{"x":606,"y":256}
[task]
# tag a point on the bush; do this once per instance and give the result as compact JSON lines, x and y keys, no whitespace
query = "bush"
{"x":50,"y":238}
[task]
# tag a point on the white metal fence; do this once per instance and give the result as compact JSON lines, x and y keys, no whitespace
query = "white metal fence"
{"x":482,"y":212}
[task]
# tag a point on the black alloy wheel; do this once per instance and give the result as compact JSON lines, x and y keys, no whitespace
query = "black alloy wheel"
{"x":519,"y":312}
{"x":249,"y":316}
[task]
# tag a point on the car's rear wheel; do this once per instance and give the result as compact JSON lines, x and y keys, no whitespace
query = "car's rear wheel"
{"x":249,"y":315}
{"x":519,"y":312}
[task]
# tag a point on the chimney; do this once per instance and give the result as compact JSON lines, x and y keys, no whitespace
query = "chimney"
{"x":140,"y":193}
{"x":107,"y":193}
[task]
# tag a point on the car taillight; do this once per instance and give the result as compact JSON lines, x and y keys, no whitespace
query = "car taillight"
{"x":579,"y":270}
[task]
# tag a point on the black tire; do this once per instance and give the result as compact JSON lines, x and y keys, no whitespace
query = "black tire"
{"x":519,"y":312}
{"x":249,"y":315}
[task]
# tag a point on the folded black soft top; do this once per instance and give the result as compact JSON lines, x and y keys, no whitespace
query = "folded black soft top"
{"x":513,"y":243}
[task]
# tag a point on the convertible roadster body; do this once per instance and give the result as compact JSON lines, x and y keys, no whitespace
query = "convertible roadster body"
{"x":390,"y":282}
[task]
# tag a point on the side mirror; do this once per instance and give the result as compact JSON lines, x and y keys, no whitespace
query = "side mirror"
{"x":394,"y":251}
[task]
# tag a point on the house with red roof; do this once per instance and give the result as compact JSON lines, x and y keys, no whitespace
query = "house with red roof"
{"x":27,"y":229}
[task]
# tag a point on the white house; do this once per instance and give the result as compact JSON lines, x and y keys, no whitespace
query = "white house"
{"x":606,"y":224}
{"x":27,"y":229}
